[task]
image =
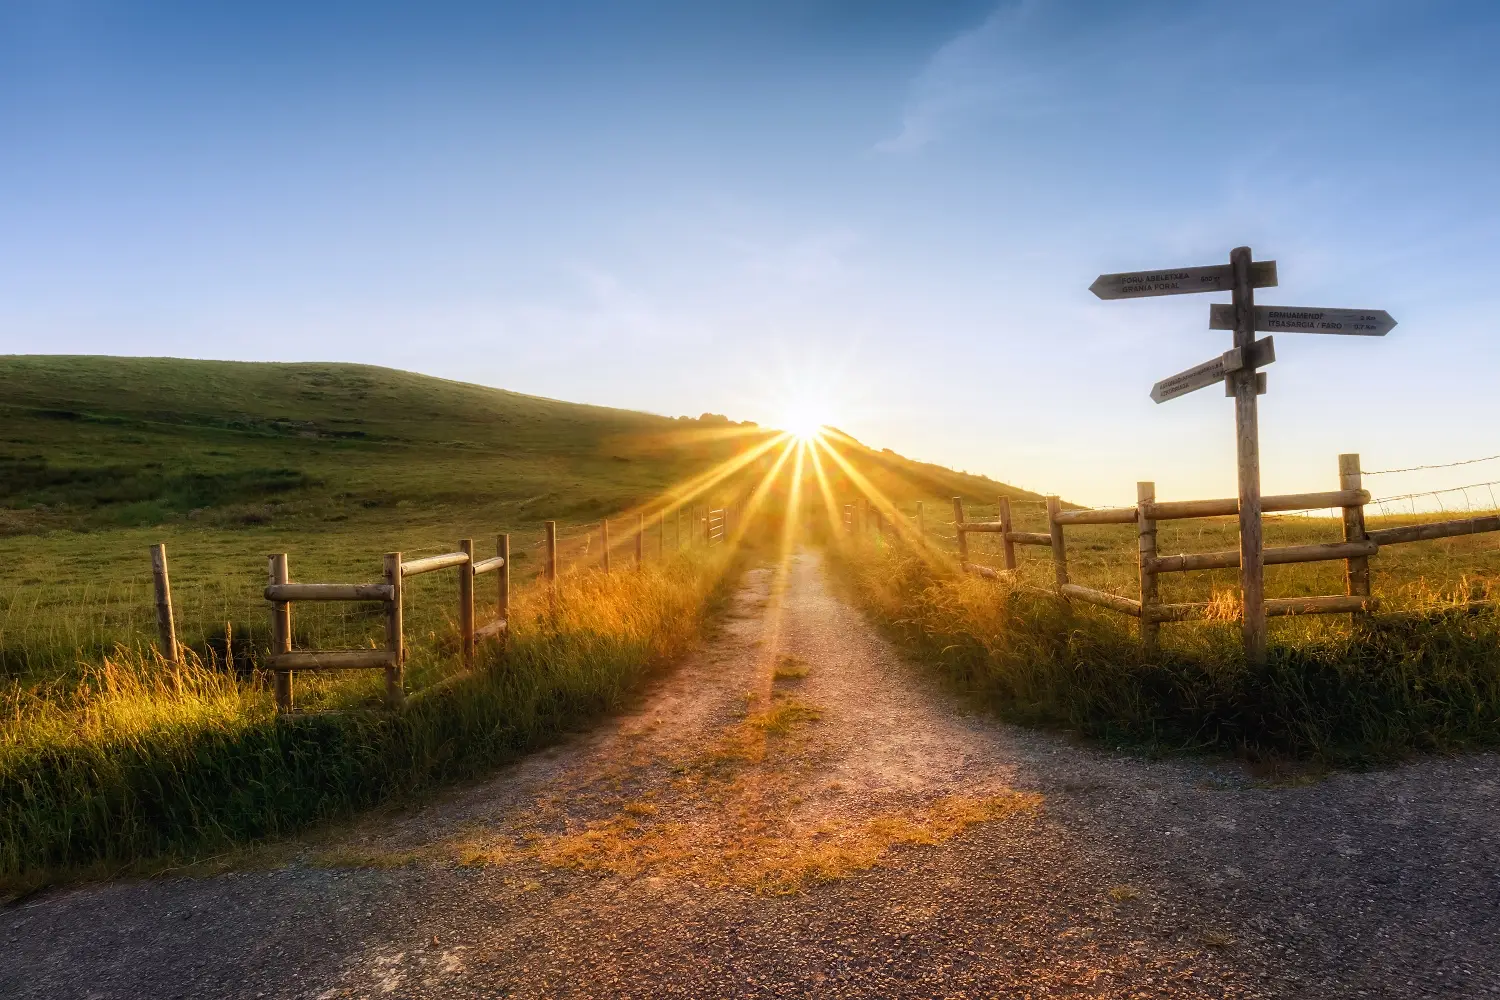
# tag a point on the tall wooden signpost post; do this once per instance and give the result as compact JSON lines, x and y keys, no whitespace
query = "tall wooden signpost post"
{"x":1239,"y":370}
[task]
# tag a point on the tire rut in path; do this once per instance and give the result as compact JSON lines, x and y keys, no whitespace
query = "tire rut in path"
{"x":794,"y":811}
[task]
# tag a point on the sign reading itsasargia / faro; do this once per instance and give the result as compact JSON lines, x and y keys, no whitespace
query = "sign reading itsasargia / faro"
{"x":1307,"y":319}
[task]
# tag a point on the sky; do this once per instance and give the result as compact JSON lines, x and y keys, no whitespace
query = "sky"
{"x":885,"y":212}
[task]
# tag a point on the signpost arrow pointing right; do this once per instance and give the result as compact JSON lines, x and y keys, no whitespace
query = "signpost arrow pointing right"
{"x":1305,"y":319}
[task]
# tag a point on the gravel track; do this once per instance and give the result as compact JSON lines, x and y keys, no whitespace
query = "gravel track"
{"x":852,"y":832}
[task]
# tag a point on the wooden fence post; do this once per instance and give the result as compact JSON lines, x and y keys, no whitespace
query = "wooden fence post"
{"x":921,"y":523}
{"x":466,"y":602}
{"x":166,"y":628}
{"x":1007,"y":547}
{"x":1356,"y":570}
{"x":640,"y":541}
{"x":395,"y":637}
{"x":605,"y":524}
{"x":281,"y":633}
{"x":963,"y":536}
{"x":707,"y":531}
{"x":1059,"y":551}
{"x":502,"y":585}
{"x":1145,"y":495}
{"x":679,"y":527}
{"x":1247,"y":454}
{"x":551,"y":552}
{"x":661,"y":537}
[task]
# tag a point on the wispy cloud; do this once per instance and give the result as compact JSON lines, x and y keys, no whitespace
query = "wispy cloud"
{"x":982,"y":70}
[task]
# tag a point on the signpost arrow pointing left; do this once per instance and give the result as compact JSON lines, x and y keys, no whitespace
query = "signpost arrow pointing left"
{"x":1180,"y":280}
{"x":1262,"y":352}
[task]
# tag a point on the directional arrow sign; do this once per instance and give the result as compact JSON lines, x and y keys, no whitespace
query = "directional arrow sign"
{"x":1301,"y":319}
{"x":1262,"y":352}
{"x":1215,"y":278}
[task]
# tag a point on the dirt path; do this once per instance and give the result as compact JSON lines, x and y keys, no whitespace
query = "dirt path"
{"x":795,"y":812}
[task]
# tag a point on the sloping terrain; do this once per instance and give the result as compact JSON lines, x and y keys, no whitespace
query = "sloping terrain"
{"x":100,"y":457}
{"x":103,"y":441}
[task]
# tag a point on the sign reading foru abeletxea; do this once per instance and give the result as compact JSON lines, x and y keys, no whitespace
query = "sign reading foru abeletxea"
{"x":1307,"y":319}
{"x":1180,"y":281}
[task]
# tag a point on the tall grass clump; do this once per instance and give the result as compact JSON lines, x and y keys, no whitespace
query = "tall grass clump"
{"x":1424,"y":680}
{"x":142,"y":759}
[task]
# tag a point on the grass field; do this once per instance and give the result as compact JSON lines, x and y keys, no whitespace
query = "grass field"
{"x":110,"y":758}
{"x":333,"y":464}
{"x":1422,"y":675}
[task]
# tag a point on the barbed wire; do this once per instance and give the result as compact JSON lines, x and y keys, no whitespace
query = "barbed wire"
{"x":1435,"y":494}
{"x":1419,"y":468}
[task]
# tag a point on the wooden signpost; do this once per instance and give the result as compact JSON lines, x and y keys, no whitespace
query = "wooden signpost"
{"x":1239,"y":368}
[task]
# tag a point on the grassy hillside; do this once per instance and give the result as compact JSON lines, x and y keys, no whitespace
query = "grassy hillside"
{"x":333,"y":464}
{"x":105,"y":442}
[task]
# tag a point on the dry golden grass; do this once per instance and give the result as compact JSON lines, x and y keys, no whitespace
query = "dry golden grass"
{"x":743,"y":848}
{"x":142,"y":759}
{"x":746,"y":812}
{"x":790,"y":668}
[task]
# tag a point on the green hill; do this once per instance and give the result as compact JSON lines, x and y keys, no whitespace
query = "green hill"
{"x":136,"y":441}
{"x":331,"y":463}
{"x":99,"y":442}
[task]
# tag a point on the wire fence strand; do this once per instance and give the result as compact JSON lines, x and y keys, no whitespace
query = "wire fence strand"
{"x":1421,"y":468}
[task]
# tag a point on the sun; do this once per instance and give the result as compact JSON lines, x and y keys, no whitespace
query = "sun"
{"x":804,"y":421}
{"x":805,"y":402}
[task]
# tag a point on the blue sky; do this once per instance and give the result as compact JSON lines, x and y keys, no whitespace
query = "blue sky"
{"x":895,"y":208}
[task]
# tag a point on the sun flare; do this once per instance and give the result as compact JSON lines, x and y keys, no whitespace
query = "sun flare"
{"x":805,"y":419}
{"x":803,"y":427}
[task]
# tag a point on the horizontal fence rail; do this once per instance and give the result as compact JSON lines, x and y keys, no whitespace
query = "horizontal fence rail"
{"x":1230,"y":559}
{"x":330,"y":592}
{"x":432,"y":564}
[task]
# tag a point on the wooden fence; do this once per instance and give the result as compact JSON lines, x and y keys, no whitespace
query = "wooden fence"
{"x":716,"y":526}
{"x":283,"y":593}
{"x":1355,"y":548}
{"x":391,"y":657}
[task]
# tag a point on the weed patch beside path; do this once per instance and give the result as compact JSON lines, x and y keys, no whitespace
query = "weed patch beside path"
{"x":1330,"y":692}
{"x":142,"y":762}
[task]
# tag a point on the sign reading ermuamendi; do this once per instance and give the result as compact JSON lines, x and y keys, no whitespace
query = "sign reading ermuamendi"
{"x":1308,"y":319}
